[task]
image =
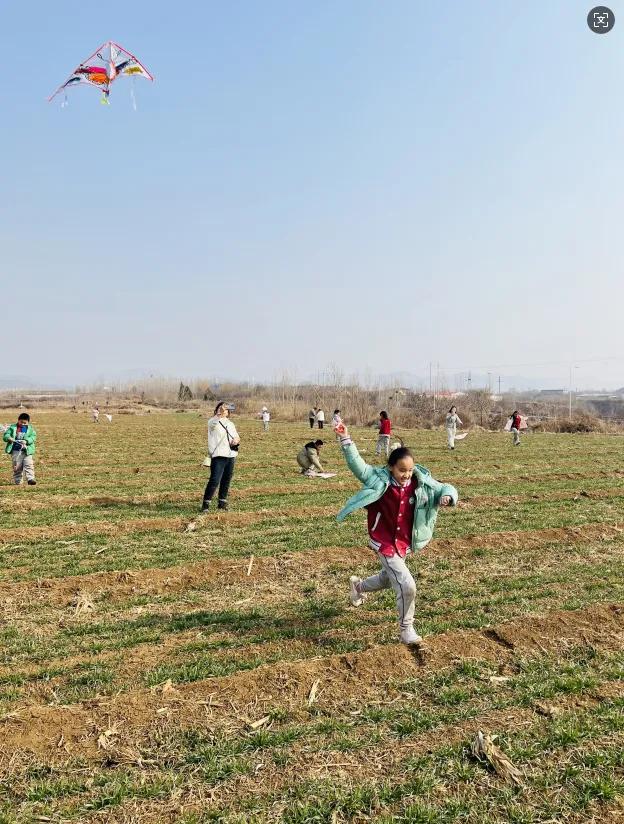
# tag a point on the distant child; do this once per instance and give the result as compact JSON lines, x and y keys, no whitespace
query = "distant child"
{"x":402,"y":501}
{"x":312,"y":416}
{"x":385,"y":431}
{"x":20,"y":439}
{"x":266,"y":417}
{"x":452,"y":419}
{"x":308,"y":457}
{"x":336,"y":421}
{"x":320,"y":418}
{"x":96,"y":414}
{"x":516,"y":422}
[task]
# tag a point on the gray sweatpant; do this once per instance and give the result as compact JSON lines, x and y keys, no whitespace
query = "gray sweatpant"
{"x":395,"y":573}
{"x":516,"y":435}
{"x":22,"y":464}
{"x":383,"y":445}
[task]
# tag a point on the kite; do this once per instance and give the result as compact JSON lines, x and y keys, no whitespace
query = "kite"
{"x":102,"y":68}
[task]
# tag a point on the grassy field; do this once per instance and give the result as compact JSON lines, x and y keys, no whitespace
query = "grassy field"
{"x":151,"y":672}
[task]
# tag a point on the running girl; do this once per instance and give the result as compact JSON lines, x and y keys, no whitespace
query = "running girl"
{"x":402,"y":501}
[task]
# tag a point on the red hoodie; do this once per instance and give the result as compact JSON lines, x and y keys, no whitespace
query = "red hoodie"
{"x":385,"y":425}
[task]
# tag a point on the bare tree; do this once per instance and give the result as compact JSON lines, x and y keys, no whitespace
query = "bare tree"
{"x":480,"y":402}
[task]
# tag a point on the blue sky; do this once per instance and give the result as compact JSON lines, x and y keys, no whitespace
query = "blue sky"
{"x":378,"y":185}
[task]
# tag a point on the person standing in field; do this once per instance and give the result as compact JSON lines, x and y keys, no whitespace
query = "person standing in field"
{"x":385,"y":431}
{"x":312,"y":416}
{"x":452,"y":419}
{"x":96,"y":413}
{"x":266,"y":417}
{"x":336,"y":421}
{"x":20,"y":439}
{"x":516,"y":421}
{"x":402,"y":501}
{"x":308,"y":457}
{"x":223,"y":443}
{"x":320,"y":418}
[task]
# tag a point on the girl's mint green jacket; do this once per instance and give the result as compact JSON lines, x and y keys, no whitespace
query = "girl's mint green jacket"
{"x":376,"y":479}
{"x":31,"y":438}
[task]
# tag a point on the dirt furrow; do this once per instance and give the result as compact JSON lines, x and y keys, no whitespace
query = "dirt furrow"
{"x":127,"y":583}
{"x":365,"y":765}
{"x":135,"y":525}
{"x":344,"y":682}
{"x":44,"y":501}
{"x":41,"y":502}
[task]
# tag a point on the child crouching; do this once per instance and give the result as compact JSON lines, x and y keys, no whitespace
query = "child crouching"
{"x":402,"y":501}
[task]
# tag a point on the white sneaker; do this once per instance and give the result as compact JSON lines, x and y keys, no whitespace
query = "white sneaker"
{"x":357,"y":598}
{"x":410,"y":637}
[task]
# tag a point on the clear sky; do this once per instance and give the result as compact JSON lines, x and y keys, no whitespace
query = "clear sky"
{"x":375,"y":184}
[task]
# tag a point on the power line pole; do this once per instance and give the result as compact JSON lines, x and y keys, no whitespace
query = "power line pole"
{"x":499,"y":385}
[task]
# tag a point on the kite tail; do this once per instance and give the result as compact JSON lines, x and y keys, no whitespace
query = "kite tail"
{"x":134,"y":103}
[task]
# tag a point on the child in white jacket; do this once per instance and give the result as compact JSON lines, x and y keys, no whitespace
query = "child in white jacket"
{"x":452,"y":419}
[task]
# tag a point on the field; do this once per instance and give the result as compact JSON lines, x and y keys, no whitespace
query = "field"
{"x":159,"y":666}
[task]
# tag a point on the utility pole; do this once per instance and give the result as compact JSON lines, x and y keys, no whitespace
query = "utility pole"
{"x":570,"y":397}
{"x":499,"y":385}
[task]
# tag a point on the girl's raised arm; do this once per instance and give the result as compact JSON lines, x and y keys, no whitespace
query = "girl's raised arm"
{"x":355,"y":462}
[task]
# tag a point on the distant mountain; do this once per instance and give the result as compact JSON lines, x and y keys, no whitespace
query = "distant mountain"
{"x":21,"y":382}
{"x":16,"y":382}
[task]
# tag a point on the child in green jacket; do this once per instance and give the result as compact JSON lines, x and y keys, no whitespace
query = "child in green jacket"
{"x":402,"y":501}
{"x":20,"y":439}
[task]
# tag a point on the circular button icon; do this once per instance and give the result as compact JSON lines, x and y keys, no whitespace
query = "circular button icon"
{"x":601,"y":19}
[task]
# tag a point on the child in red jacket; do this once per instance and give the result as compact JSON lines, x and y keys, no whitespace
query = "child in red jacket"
{"x":385,"y":431}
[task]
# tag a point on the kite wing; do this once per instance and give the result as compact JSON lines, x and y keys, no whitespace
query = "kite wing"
{"x":102,"y":68}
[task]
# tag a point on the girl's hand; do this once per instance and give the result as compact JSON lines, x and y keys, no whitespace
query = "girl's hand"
{"x":341,"y":430}
{"x":446,"y":500}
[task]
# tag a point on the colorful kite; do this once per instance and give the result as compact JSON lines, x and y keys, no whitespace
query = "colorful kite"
{"x":102,"y":68}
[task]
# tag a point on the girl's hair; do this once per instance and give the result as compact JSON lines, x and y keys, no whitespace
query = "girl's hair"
{"x":336,"y":411}
{"x":451,"y":409}
{"x":398,"y":454}
{"x":383,"y":414}
{"x":218,"y":406}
